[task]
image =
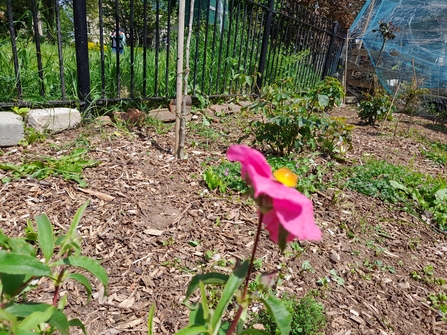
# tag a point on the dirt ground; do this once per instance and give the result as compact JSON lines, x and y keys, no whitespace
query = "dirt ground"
{"x":160,"y":204}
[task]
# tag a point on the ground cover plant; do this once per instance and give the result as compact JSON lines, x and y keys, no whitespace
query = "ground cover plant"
{"x":379,"y":267}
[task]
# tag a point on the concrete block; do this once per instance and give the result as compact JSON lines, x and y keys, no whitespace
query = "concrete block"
{"x":53,"y":119}
{"x":162,"y":114}
{"x":11,"y":129}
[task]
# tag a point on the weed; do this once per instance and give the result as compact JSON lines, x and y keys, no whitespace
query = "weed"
{"x":307,"y":316}
{"x":417,"y":192}
{"x":439,"y":302}
{"x":306,"y":266}
{"x":375,"y":107}
{"x":68,"y":167}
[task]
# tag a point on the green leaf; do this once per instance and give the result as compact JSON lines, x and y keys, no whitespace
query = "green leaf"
{"x":72,"y":231}
{"x":279,"y":312}
{"x":45,"y":236}
{"x":441,"y":194}
{"x":192,"y":330}
{"x":57,"y":320}
{"x":253,"y":332}
{"x":88,"y":264}
{"x":282,"y":237}
{"x":230,"y":288}
{"x":398,"y":186}
{"x":211,"y":278}
{"x":36,"y":318}
{"x":150,"y":320}
{"x":323,"y":100}
{"x":17,"y":264}
{"x":13,"y":284}
{"x":84,"y":281}
{"x":77,"y":323}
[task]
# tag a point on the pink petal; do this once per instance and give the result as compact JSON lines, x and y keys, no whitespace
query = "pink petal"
{"x":297,"y":220}
{"x":272,"y":223}
{"x":249,"y":157}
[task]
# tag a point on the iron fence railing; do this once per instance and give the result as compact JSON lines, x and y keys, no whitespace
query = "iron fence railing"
{"x":237,"y":47}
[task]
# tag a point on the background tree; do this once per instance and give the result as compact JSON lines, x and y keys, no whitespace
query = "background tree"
{"x":343,"y":11}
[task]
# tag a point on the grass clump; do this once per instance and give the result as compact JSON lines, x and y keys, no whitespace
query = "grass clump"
{"x":307,"y":316}
{"x":226,"y":175}
{"x":417,"y":192}
{"x":437,"y":152}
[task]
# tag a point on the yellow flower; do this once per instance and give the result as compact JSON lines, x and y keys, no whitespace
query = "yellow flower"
{"x":286,"y":177}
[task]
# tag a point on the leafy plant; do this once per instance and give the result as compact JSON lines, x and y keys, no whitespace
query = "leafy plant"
{"x":437,"y":152}
{"x":42,"y":254}
{"x":376,"y":107}
{"x":326,"y":94}
{"x":289,"y":123}
{"x":307,"y":316}
{"x":68,"y":167}
{"x":399,"y":184}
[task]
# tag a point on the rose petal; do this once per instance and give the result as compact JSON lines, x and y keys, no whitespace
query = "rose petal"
{"x":249,"y":157}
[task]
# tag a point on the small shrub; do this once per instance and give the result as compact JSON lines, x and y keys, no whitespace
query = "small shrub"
{"x":307,"y":316}
{"x":326,"y":94}
{"x":42,"y":254}
{"x":289,"y":123}
{"x":376,"y":107}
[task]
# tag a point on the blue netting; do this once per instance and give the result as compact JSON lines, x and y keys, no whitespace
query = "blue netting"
{"x":421,"y":39}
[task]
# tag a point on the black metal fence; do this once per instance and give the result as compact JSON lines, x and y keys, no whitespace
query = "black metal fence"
{"x":62,"y":53}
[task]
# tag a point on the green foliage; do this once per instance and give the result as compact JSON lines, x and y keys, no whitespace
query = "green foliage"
{"x":209,"y":318}
{"x":68,"y":167}
{"x":21,"y":267}
{"x":437,"y":152}
{"x":291,"y":123}
{"x":22,"y":111}
{"x":399,"y":184}
{"x":376,"y":107}
{"x":326,"y":94}
{"x":412,"y":95}
{"x":307,"y":316}
{"x":227,"y":175}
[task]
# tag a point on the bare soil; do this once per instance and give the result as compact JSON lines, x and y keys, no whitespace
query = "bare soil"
{"x":160,"y":204}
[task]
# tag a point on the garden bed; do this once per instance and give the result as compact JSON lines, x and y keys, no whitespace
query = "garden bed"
{"x":155,"y":224}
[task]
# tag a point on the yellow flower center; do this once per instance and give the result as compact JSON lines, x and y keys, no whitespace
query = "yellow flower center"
{"x":286,"y":177}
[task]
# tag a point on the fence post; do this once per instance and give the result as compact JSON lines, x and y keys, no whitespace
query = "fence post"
{"x":265,"y":44}
{"x":330,"y":49}
{"x":81,"y":44}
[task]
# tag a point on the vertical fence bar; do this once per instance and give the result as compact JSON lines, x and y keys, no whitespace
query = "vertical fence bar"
{"x":265,"y":42}
{"x":205,"y":53}
{"x":81,"y":43}
{"x":132,"y":44}
{"x":14,"y":51}
{"x":38,"y":49}
{"x":101,"y":45}
{"x":168,"y":48}
{"x":59,"y":49}
{"x":330,"y":50}
{"x":157,"y":44}
{"x":117,"y":49}
{"x":145,"y":48}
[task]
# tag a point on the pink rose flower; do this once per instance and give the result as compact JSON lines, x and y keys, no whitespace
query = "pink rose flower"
{"x":281,"y":205}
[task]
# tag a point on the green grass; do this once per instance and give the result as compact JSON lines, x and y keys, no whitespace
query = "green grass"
{"x":416,"y":192}
{"x":307,"y":316}
{"x":436,"y":152}
{"x":225,"y":65}
{"x":226,"y":175}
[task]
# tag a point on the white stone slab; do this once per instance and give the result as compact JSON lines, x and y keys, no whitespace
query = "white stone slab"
{"x":11,"y":129}
{"x":53,"y":119}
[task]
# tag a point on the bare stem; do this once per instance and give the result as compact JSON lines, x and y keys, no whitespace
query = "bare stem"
{"x":57,"y":286}
{"x":247,"y":278}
